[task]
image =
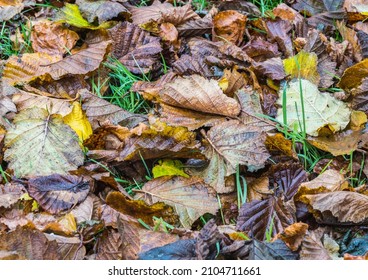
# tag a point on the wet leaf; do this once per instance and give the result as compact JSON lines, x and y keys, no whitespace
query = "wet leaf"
{"x":139,"y":209}
{"x":320,"y":109}
{"x":189,"y":197}
{"x":78,"y":121}
{"x":52,"y":38}
{"x":338,"y":144}
{"x":338,"y":207}
{"x":293,"y":235}
{"x":71,"y":14}
{"x":197,"y":27}
{"x":229,"y":26}
{"x":207,"y":239}
{"x":272,"y":68}
{"x":65,"y":226}
{"x":135,"y":48}
{"x":260,"y":216}
{"x":302,"y":66}
{"x":41,"y":144}
{"x":312,"y":248}
{"x":56,"y":193}
{"x":29,"y":244}
{"x":168,"y":167}
{"x":179,"y":250}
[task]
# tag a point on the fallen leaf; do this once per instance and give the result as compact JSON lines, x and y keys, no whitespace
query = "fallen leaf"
{"x":169,"y":167}
{"x":260,"y":216}
{"x":229,"y":144}
{"x":312,"y":248}
{"x":320,"y":109}
{"x":56,"y":193}
{"x":302,"y":66}
{"x":338,"y":207}
{"x":179,"y":250}
{"x":293,"y":235}
{"x":135,"y":48}
{"x":229,"y":26}
{"x":189,"y":197}
{"x":207,"y":240}
{"x":41,"y":144}
{"x":10,"y":8}
{"x":278,"y":30}
{"x":69,"y":248}
{"x":52,"y":38}
{"x":10,"y":194}
{"x":78,"y":121}
{"x":65,"y":226}
{"x":71,"y":14}
{"x":353,"y":77}
{"x":277,"y":144}
{"x":29,"y":244}
{"x":140,"y":210}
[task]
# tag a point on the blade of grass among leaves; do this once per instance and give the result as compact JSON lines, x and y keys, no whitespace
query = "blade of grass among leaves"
{"x":183,"y":130}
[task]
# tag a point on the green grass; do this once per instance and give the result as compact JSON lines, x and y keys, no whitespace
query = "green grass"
{"x":200,"y":5}
{"x":121,"y":81}
{"x":266,"y":5}
{"x":241,"y":188}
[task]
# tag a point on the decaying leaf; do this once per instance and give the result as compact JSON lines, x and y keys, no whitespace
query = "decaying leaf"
{"x":189,"y":197}
{"x":41,"y":144}
{"x":320,"y":109}
{"x":135,"y":48}
{"x":68,"y":248}
{"x":56,"y":193}
{"x":353,"y":77}
{"x":312,"y":247}
{"x":139,"y":209}
{"x":52,"y":38}
{"x":29,"y":244}
{"x":10,"y":194}
{"x":179,"y":250}
{"x":293,"y":235}
{"x":229,"y":26}
{"x":261,"y":216}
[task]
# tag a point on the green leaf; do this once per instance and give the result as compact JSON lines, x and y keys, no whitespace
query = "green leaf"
{"x":168,"y":167}
{"x":70,"y":14}
{"x":41,"y":144}
{"x":320,"y":109}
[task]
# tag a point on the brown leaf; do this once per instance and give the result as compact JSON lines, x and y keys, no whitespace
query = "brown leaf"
{"x":101,"y":11}
{"x":229,"y":26}
{"x":199,"y":94}
{"x":99,"y":110}
{"x":162,"y":12}
{"x":229,"y":144}
{"x":207,"y":239}
{"x":363,"y":42}
{"x":189,"y":197}
{"x":338,"y":144}
{"x":312,"y":248}
{"x":52,"y":38}
{"x":354,"y":76}
{"x":258,"y":188}
{"x":135,"y":48}
{"x":293,"y":235}
{"x":260,"y":50}
{"x":272,"y":68}
{"x":278,"y":30}
{"x":327,"y":18}
{"x":258,"y":216}
{"x":80,"y":63}
{"x":29,"y":244}
{"x":10,"y":194}
{"x":56,"y":193}
{"x":277,"y":144}
{"x":352,"y":257}
{"x":233,"y":81}
{"x":197,"y":27}
{"x":140,"y":210}
{"x":285,"y":179}
{"x":69,"y":248}
{"x":338,"y":207}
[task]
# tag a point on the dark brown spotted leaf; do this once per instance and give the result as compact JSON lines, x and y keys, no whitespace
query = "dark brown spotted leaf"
{"x":56,"y":193}
{"x":258,"y":216}
{"x":135,"y":48}
{"x":29,"y":244}
{"x":206,"y":241}
{"x":197,"y":27}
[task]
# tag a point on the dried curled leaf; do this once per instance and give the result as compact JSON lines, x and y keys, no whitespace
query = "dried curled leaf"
{"x":293,"y":235}
{"x":258,"y":216}
{"x":189,"y":197}
{"x":199,"y":94}
{"x":41,"y":144}
{"x":56,"y":193}
{"x":135,"y":48}
{"x":320,"y":109}
{"x":229,"y":26}
{"x":52,"y":38}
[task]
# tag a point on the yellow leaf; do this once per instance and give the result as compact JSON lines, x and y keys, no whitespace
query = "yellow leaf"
{"x":26,"y":197}
{"x":302,"y":66}
{"x":70,"y":14}
{"x":35,"y":206}
{"x":357,"y":120}
{"x":168,"y":167}
{"x":78,"y":121}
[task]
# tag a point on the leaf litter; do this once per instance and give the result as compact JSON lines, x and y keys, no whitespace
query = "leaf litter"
{"x":169,"y":131}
